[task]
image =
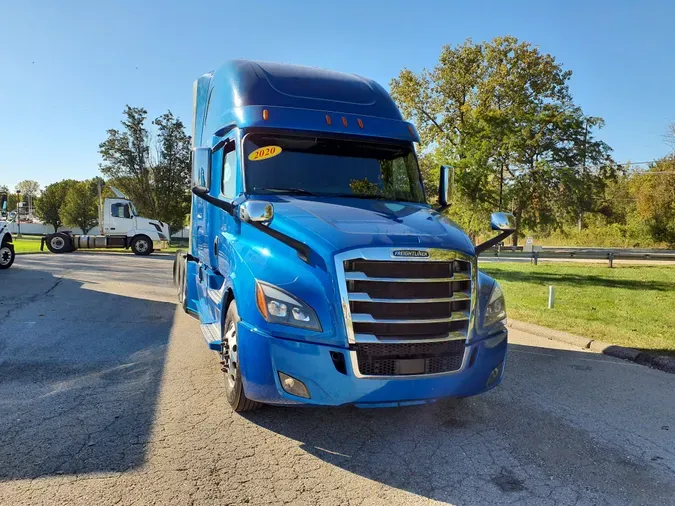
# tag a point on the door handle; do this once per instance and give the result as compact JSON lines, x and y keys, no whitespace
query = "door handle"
{"x":215,"y":247}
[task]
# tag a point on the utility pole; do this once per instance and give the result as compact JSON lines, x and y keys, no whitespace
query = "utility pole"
{"x":100,"y":210}
{"x":581,"y":204}
{"x":18,"y":217}
{"x":501,"y":187}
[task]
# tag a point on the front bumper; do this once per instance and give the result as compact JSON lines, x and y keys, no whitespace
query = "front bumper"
{"x":262,"y":356}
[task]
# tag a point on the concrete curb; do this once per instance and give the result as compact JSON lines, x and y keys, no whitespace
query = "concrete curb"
{"x":661,"y":362}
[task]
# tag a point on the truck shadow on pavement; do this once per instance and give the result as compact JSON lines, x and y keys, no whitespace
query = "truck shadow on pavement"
{"x":79,"y":376}
{"x":522,"y":442}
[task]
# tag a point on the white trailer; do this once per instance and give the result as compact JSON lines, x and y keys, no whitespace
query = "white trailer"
{"x":122,"y":228}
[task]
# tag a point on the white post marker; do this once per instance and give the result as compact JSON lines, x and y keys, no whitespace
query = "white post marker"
{"x":551,"y":297}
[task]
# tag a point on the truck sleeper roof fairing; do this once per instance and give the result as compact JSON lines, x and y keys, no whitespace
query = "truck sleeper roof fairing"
{"x":295,"y":97}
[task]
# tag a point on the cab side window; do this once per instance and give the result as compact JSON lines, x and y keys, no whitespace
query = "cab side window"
{"x":119,"y":210}
{"x":229,"y":170}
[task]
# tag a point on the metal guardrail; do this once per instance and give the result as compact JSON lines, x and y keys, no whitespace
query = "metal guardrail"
{"x":609,"y":254}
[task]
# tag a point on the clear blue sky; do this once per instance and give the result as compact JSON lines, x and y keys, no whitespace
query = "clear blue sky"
{"x":68,"y":68}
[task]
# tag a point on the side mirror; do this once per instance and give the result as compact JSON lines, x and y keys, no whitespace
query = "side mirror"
{"x":201,"y":168}
{"x":256,"y":211}
{"x":445,"y":187}
{"x":505,"y":222}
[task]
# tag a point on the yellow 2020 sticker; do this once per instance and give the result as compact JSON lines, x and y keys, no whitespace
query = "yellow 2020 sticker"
{"x":264,"y":153}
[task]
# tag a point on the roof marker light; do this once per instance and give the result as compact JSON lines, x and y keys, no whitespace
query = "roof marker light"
{"x":266,"y":114}
{"x":358,"y":120}
{"x":344,"y":121}
{"x":411,"y":130}
{"x":328,"y":120}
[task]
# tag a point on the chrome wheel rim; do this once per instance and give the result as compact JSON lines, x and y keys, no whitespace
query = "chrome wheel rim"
{"x":230,"y":354}
{"x":5,"y":255}
{"x":58,"y":242}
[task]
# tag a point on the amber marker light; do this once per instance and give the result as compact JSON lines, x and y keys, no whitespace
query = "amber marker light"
{"x":260,"y":300}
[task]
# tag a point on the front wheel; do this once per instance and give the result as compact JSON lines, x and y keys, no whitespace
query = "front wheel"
{"x":6,"y":256}
{"x":229,"y":353}
{"x":141,"y":245}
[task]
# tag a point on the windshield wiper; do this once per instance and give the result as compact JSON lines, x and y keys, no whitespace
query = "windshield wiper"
{"x":292,"y":191}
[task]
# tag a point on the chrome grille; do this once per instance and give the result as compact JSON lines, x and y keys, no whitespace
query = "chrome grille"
{"x":393,"y":299}
{"x":393,"y":306}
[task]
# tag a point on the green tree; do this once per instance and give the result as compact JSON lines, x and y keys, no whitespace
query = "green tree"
{"x":126,"y":158}
{"x":49,"y":204}
{"x":502,"y":114}
{"x":28,"y":187}
{"x":80,"y":208}
{"x":655,"y":199}
{"x":171,"y":173}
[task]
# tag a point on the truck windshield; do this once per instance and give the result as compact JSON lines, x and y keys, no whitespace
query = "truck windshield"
{"x":277,"y":164}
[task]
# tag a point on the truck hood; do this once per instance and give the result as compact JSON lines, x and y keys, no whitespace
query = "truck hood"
{"x":143,"y":223}
{"x":337,"y":224}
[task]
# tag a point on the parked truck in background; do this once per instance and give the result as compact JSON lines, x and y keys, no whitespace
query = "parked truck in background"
{"x":121,"y":227}
{"x":316,"y":267}
{"x":6,"y":246}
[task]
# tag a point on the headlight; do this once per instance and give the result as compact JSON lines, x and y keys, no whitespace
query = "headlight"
{"x":495,"y":311}
{"x":279,"y":306}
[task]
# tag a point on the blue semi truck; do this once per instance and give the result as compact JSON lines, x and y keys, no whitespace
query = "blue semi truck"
{"x":316,"y":267}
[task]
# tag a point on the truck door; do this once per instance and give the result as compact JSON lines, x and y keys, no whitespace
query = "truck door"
{"x":224,"y":225}
{"x":220,"y":224}
{"x":120,"y":219}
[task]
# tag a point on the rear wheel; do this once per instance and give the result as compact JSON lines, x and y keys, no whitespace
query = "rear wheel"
{"x":6,"y":256}
{"x":141,"y":245}
{"x":59,"y":243}
{"x":229,"y":353}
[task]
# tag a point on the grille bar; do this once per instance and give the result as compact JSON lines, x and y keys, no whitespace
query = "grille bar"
{"x":364,"y":297}
{"x":360,"y":276}
{"x":366,"y":318}
{"x":371,"y":338}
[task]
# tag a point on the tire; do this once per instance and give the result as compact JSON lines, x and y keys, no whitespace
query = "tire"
{"x":7,"y":255}
{"x":59,"y":243}
{"x":141,"y":245}
{"x":234,"y":385}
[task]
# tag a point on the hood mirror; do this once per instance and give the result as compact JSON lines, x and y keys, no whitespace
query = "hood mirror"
{"x":505,"y":222}
{"x":256,"y":211}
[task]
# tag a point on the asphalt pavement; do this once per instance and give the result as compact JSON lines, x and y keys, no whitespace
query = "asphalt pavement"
{"x":108,"y":395}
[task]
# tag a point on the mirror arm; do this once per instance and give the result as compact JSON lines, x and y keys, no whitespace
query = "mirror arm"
{"x":440,"y":209}
{"x":301,"y":248}
{"x":491,"y":242}
{"x":204,"y":194}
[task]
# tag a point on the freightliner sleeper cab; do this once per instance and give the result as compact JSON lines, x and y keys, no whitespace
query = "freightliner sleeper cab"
{"x":316,"y":267}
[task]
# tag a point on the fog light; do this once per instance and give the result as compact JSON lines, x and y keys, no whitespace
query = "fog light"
{"x":293,"y":386}
{"x":494,"y":375}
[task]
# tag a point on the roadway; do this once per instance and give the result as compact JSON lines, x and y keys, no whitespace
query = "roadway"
{"x":109,"y":396}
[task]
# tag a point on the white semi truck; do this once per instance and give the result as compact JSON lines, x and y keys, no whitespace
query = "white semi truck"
{"x":122,"y":227}
{"x":6,"y":246}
